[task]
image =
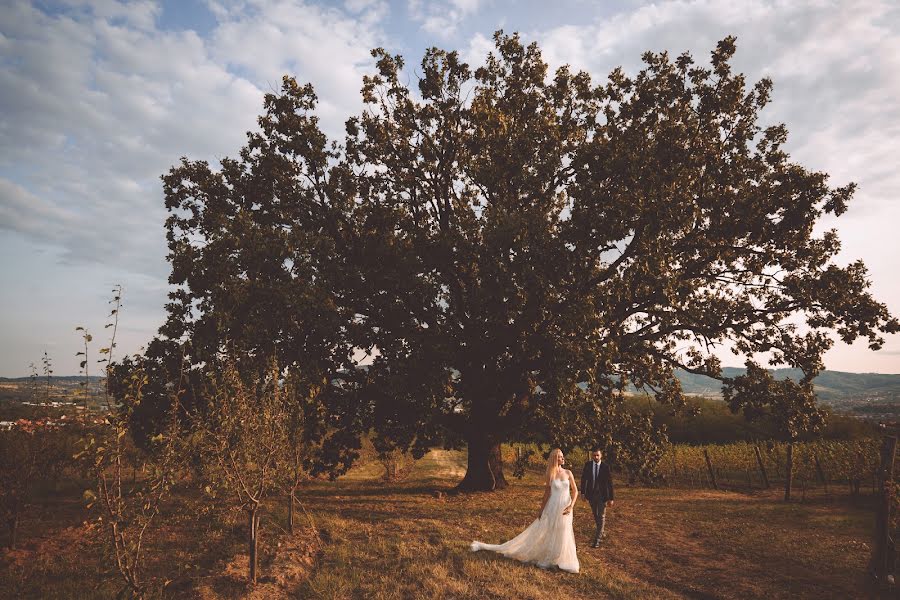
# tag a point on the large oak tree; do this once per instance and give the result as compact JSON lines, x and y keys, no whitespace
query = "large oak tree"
{"x":519,"y":247}
{"x":530,"y":232}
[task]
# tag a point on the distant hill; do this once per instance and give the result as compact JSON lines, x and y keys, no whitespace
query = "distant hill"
{"x":830,"y":385}
{"x":55,"y":379}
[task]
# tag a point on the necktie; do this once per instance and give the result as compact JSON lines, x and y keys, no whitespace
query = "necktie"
{"x":596,"y":470}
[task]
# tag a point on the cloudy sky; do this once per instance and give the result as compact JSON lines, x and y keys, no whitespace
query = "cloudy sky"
{"x":99,"y":97}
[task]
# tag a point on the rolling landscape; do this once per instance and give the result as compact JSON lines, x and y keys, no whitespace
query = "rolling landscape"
{"x":400,"y":300}
{"x":832,"y":387}
{"x":835,"y":388}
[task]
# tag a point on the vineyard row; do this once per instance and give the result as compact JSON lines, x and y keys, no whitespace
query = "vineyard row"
{"x":826,"y":463}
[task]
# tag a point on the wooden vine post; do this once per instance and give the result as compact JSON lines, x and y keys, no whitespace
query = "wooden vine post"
{"x":762,"y":466}
{"x":884,"y":551}
{"x":712,"y":472}
{"x":820,"y":472}
{"x":674,"y":465}
{"x":789,"y":478}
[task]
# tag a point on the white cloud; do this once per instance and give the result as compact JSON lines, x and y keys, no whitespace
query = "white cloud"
{"x":101,"y":108}
{"x":22,"y":211}
{"x":269,"y":38}
{"x":371,"y":11}
{"x":98,"y":102}
{"x":479,"y":47}
{"x":441,"y":18}
{"x":141,"y":14}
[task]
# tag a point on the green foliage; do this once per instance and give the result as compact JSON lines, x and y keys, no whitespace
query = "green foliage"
{"x":791,"y":403}
{"x":166,"y":371}
{"x":258,"y":260}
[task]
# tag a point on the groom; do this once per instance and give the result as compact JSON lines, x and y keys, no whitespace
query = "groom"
{"x":597,"y":488}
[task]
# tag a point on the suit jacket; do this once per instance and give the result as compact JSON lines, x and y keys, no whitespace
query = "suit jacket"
{"x":599,"y":488}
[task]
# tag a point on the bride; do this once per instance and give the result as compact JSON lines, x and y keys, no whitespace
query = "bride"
{"x":549,"y":540}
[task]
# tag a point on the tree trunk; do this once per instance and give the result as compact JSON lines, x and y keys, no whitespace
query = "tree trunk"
{"x":254,"y":537}
{"x":712,"y":473}
{"x":762,"y":466}
{"x":484,"y":467}
{"x":883,"y":555}
{"x":821,"y":472}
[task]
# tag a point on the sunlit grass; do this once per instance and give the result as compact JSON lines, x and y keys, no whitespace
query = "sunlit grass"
{"x":401,"y":541}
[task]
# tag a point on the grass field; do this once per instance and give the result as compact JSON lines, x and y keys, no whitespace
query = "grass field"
{"x":398,"y":541}
{"x":403,"y":542}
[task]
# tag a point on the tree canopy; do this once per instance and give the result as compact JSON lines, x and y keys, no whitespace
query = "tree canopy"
{"x":519,"y":247}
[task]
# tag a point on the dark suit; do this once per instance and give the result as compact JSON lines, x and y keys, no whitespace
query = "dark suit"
{"x":597,"y":487}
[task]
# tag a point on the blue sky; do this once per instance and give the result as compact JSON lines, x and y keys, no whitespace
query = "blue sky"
{"x":99,"y":97}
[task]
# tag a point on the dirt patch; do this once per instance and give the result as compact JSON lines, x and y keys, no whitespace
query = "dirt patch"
{"x":281,"y":571}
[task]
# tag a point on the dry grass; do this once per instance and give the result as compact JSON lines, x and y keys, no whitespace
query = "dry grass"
{"x":402,"y":542}
{"x":398,"y":541}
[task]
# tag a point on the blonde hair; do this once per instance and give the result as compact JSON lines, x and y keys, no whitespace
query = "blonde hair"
{"x":553,"y":463}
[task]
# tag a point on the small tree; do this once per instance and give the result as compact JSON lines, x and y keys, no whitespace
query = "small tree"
{"x":32,"y":382}
{"x":304,"y":453}
{"x":48,"y":373}
{"x":791,"y":404}
{"x":397,"y":462}
{"x":316,"y":444}
{"x":107,"y":352}
{"x":242,"y":431}
{"x":85,"y":385}
{"x":127,"y":511}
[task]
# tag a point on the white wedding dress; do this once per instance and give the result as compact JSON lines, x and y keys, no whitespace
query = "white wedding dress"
{"x":548,"y":541}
